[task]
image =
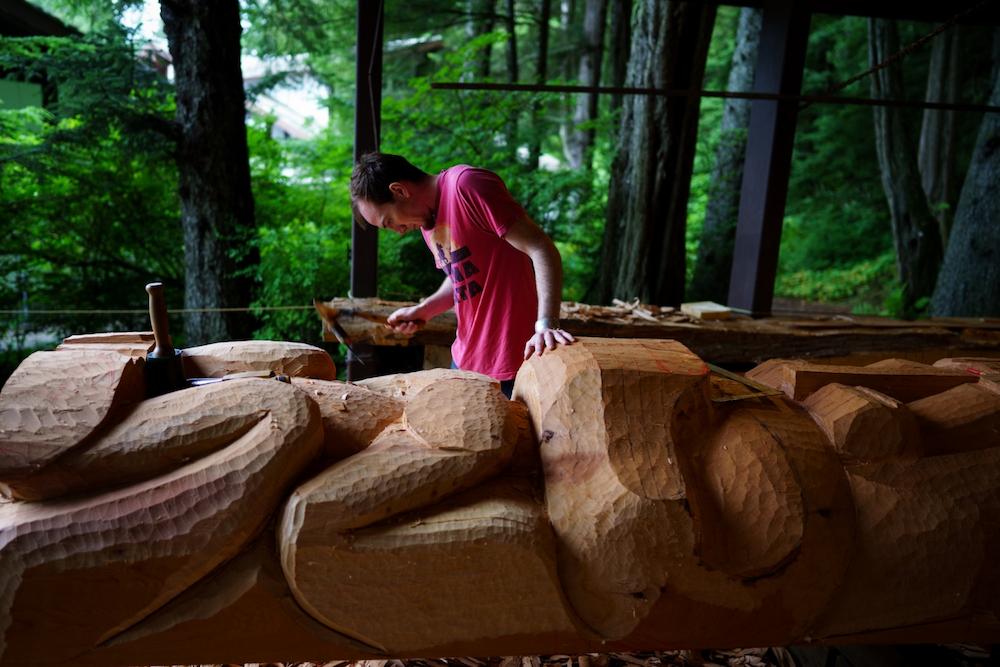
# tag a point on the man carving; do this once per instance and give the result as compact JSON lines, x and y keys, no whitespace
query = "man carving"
{"x":503,"y":275}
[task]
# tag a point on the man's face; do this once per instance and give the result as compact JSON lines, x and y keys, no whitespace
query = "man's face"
{"x":406,"y":212}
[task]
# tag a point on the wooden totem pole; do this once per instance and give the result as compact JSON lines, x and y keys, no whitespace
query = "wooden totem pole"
{"x":628,"y":498}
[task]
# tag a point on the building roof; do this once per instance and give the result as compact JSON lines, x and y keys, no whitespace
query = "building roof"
{"x":19,"y":18}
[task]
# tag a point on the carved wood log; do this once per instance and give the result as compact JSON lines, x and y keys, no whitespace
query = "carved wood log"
{"x":905,"y":382}
{"x":352,"y":416}
{"x":864,"y":424}
{"x":131,"y":343}
{"x":379,"y":558}
{"x":664,"y":518}
{"x":626,"y":501}
{"x":243,"y":609}
{"x":293,"y":359}
{"x":55,"y":400}
{"x":77,"y":573}
{"x":160,"y":435}
{"x":737,"y":340}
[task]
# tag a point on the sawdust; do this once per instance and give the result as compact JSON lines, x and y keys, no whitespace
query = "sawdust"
{"x":753,"y":657}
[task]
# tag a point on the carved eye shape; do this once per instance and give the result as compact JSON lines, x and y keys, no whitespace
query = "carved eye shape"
{"x":749,"y":512}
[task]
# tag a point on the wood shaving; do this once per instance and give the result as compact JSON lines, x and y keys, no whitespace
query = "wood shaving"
{"x":964,"y":654}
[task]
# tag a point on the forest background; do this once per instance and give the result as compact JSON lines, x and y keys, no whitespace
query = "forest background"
{"x":89,"y":183}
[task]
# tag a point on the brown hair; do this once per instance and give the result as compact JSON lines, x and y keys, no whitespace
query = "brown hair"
{"x":375,"y":171}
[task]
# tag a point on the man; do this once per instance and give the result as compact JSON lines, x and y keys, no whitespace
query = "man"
{"x":503,"y":275}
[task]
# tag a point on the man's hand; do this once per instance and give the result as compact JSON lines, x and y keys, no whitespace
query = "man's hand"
{"x":407,"y":320}
{"x":547,"y":339}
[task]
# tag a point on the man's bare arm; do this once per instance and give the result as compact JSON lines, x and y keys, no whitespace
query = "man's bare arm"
{"x":528,"y":237}
{"x":409,"y":320}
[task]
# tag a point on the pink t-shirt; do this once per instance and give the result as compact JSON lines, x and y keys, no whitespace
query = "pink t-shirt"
{"x":495,"y":298}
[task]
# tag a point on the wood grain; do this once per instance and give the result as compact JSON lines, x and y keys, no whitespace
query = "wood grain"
{"x":55,"y":400}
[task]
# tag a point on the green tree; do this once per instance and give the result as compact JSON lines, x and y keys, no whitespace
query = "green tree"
{"x":970,"y":275}
{"x":88,"y":208}
{"x":710,"y":281}
{"x":643,"y":251}
{"x":915,"y":230}
{"x":836,"y":218}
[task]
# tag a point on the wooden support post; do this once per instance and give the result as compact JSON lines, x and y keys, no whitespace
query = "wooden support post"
{"x":367,"y":127}
{"x":784,"y":33}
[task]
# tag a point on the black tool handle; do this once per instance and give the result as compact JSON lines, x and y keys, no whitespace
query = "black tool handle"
{"x":158,"y":318}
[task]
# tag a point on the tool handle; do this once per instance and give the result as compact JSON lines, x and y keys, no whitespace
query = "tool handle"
{"x":158,"y":319}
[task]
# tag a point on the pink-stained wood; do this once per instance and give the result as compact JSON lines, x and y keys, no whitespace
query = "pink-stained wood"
{"x":974,"y":365}
{"x":679,"y":522}
{"x":607,"y":415}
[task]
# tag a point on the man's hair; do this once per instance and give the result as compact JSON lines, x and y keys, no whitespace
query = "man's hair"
{"x":375,"y":171}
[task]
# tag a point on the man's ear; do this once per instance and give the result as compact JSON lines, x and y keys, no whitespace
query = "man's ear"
{"x":399,"y":190}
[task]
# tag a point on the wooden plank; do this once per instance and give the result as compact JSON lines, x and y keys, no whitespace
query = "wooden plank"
{"x":124,"y":337}
{"x":706,"y":310}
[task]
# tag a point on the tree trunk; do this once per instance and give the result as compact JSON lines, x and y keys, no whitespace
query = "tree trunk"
{"x":718,"y":233}
{"x":580,"y":138}
{"x":938,"y":131}
{"x":217,"y":209}
{"x":541,"y":75}
{"x":969,"y":283}
{"x":643,"y":250}
{"x":480,"y":21}
{"x":621,"y":44}
{"x":914,"y":229}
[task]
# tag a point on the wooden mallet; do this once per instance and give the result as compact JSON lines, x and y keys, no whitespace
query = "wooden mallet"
{"x":164,"y":370}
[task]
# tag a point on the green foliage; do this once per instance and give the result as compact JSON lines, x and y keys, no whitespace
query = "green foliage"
{"x":303,"y":220}
{"x":717,"y":65}
{"x":88,"y":203}
{"x":836,"y":240}
{"x":488,"y":129}
{"x":836,"y":212}
{"x":870,"y":278}
{"x":89,"y":210}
